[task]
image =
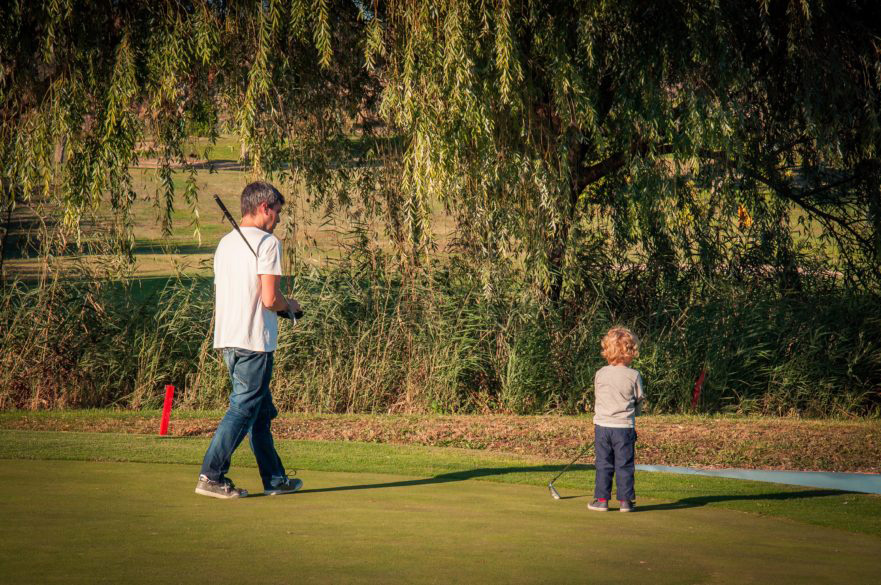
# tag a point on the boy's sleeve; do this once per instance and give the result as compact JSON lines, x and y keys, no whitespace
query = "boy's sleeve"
{"x":592,"y":407}
{"x":640,"y":395}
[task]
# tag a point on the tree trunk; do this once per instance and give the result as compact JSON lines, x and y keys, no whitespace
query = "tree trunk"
{"x":560,"y":238}
{"x":4,"y":236}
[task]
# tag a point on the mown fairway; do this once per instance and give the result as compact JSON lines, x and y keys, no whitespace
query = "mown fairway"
{"x":64,"y":521}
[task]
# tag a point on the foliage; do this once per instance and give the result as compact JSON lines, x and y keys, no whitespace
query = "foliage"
{"x":684,"y":166}
{"x":89,"y":88}
{"x":535,"y":120}
{"x":532,"y":121}
{"x":374,"y":342}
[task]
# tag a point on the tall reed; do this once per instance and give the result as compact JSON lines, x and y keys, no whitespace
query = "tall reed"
{"x":375,"y":340}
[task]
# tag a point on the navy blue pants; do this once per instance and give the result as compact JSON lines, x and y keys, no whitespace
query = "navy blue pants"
{"x":615,"y":450}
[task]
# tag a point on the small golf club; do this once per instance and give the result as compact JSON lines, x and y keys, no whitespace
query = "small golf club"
{"x":554,"y":493}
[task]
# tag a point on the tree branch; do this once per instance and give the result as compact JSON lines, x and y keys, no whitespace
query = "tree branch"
{"x":785,"y":190}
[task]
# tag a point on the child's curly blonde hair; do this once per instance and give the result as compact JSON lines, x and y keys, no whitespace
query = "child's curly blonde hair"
{"x":620,"y":346}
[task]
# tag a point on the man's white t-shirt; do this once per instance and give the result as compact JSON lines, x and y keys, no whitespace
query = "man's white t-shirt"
{"x":240,"y":319}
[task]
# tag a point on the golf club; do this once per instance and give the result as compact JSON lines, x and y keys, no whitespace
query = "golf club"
{"x":554,"y":493}
{"x":229,"y":218}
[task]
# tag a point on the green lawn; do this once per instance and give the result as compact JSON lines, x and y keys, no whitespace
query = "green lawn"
{"x":111,"y":508}
{"x":318,"y":236}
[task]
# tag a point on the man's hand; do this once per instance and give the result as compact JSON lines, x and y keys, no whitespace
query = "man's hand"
{"x":294,"y":307}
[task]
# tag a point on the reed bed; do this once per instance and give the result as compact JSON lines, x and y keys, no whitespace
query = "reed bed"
{"x":376,"y":340}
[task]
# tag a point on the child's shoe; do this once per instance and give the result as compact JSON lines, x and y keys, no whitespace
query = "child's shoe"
{"x":626,"y":506}
{"x":599,"y":505}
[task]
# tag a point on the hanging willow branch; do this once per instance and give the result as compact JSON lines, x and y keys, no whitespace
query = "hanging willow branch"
{"x":550,"y":121}
{"x":543,"y":126}
{"x":89,"y":88}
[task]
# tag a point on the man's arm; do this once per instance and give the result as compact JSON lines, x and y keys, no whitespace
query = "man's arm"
{"x":271,"y":296}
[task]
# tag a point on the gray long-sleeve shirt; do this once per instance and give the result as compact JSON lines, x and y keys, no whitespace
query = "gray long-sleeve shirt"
{"x":618,"y":393}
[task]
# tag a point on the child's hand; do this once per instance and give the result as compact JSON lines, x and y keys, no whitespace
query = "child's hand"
{"x":637,"y":411}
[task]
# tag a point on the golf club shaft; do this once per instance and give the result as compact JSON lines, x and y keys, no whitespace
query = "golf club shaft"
{"x":232,"y":221}
{"x":580,"y":455}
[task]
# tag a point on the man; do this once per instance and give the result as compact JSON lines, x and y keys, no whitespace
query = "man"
{"x":248,"y":295}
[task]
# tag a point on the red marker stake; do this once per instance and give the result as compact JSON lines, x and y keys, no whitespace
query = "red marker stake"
{"x":698,"y":385}
{"x":166,"y":409}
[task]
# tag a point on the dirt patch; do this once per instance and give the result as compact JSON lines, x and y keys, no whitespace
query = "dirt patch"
{"x":683,"y":441}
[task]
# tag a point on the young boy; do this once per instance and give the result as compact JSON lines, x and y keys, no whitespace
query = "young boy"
{"x":618,"y":397}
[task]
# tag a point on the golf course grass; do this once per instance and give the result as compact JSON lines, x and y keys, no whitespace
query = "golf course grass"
{"x":112,"y":508}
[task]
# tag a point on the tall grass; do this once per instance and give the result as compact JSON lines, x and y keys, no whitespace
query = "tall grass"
{"x":374,"y":340}
{"x":814,"y":355}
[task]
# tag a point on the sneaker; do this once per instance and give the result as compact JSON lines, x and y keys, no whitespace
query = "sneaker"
{"x":626,"y":506}
{"x":598,"y":506}
{"x":285,"y":485}
{"x":224,"y":489}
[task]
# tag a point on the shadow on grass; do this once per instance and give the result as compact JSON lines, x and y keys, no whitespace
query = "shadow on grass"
{"x":692,"y":502}
{"x":698,"y":501}
{"x":453,"y":476}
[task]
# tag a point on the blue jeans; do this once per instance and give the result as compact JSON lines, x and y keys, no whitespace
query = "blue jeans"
{"x":616,"y":451}
{"x":250,"y":411}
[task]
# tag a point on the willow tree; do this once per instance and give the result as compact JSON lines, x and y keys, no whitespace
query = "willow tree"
{"x":89,"y":87}
{"x":680,"y":131}
{"x":671,"y":141}
{"x":687,"y":136}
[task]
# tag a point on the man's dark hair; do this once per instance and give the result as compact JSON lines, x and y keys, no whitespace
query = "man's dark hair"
{"x":259,"y":192}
